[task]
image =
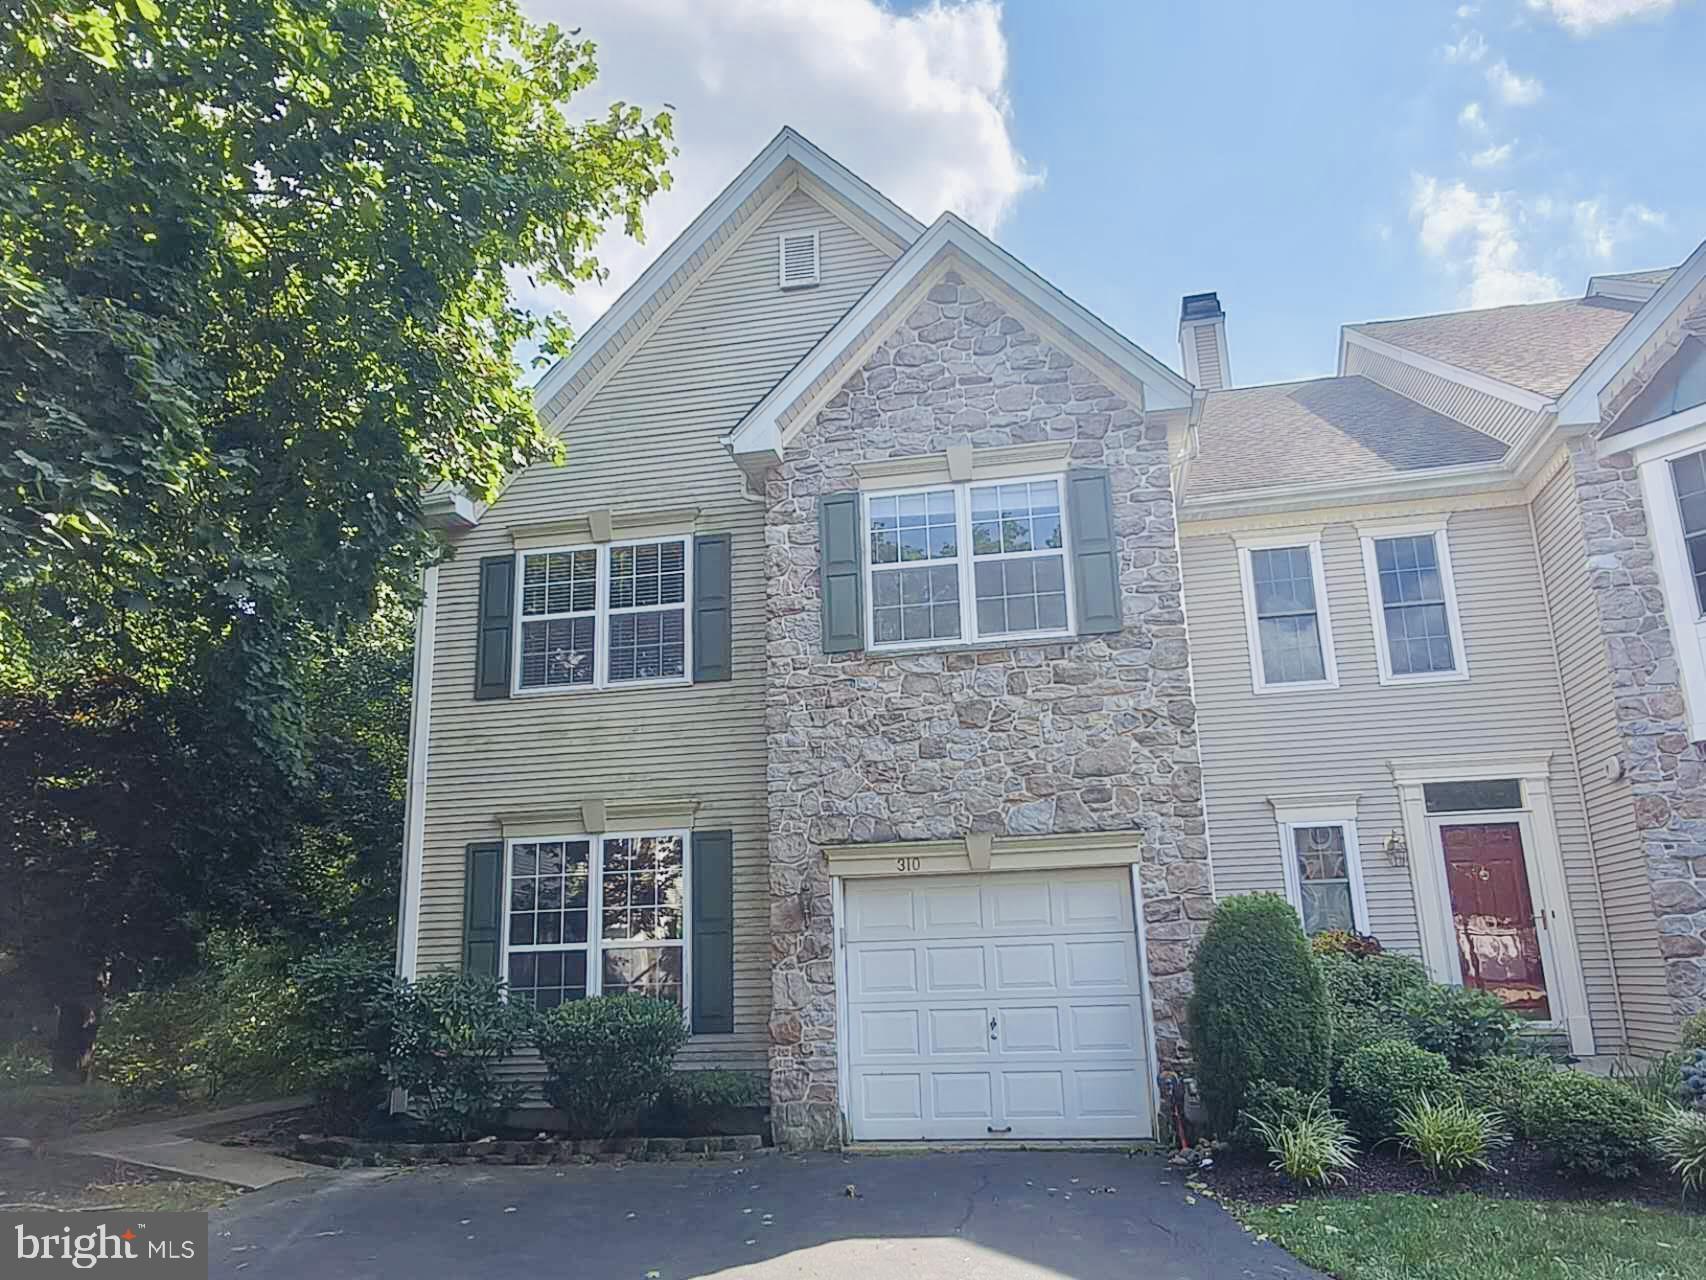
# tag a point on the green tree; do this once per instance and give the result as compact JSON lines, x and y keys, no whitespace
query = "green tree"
{"x":254,"y":300}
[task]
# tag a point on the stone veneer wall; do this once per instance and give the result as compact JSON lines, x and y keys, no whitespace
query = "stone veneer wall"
{"x":1665,"y":770}
{"x":1098,"y":734}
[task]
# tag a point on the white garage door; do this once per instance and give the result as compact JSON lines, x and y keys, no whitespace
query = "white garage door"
{"x":1003,"y":1005}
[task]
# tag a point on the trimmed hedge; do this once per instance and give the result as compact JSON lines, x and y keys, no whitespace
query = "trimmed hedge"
{"x":1504,"y":1084}
{"x":1593,"y":1126}
{"x":1380,"y":1080}
{"x":1259,"y":1010}
{"x":607,"y":1058}
{"x":1367,"y":995}
{"x":1466,"y":1025}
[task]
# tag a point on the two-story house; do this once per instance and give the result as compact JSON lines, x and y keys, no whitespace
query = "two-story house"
{"x":838,"y":684}
{"x":1446,"y":646}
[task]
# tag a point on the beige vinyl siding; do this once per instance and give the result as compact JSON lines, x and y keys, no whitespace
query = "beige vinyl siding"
{"x":1592,"y":715}
{"x":649,"y":438}
{"x":1504,"y":421}
{"x":1334,"y":742}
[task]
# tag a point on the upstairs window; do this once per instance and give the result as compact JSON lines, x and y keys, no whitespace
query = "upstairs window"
{"x":1414,"y":605}
{"x":967,"y":562}
{"x":1285,"y":604}
{"x":1689,"y":475}
{"x":594,"y":617}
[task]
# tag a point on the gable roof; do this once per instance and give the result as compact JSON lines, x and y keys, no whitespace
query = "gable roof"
{"x":787,"y":153}
{"x":1538,"y":346}
{"x":1322,"y":431}
{"x":764,"y":432}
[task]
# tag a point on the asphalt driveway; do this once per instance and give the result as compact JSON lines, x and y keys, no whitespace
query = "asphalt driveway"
{"x":993,"y":1216}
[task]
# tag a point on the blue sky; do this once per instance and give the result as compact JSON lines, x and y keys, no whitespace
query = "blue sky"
{"x":1315,"y":163}
{"x":1280,"y":154}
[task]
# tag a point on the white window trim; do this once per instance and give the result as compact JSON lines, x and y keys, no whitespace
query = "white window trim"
{"x":1342,"y":814}
{"x":1542,"y":853}
{"x":1435,"y":526}
{"x":782,"y":281}
{"x":1310,"y":540}
{"x":602,"y":614}
{"x":965,"y":562}
{"x":1685,"y":434}
{"x":594,"y":946}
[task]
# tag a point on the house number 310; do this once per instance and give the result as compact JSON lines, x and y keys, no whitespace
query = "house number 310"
{"x":908,"y":864}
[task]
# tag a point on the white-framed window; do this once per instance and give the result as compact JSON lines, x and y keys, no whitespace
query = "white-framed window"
{"x":967,"y":562}
{"x":1289,"y":626}
{"x":1688,"y":477}
{"x":1323,"y":867}
{"x":592,"y":915}
{"x":594,"y":617}
{"x":1413,"y":601}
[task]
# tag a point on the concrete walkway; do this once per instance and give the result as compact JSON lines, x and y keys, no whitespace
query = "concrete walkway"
{"x":168,"y":1145}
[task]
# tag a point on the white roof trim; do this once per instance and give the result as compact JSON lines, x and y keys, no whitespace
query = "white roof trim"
{"x":1520,"y":396}
{"x":1579,"y":406}
{"x":1430,"y":482}
{"x":786,"y":146}
{"x":1622,"y":290}
{"x":761,"y":431}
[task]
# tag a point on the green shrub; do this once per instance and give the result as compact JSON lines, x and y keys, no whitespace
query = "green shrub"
{"x":692,"y":1091}
{"x":1311,"y":1147}
{"x":1272,"y":1103}
{"x":1259,"y":1010}
{"x":1345,"y":942}
{"x":153,"y":1045}
{"x":1590,"y":1125}
{"x":1502,"y":1084}
{"x":342,"y":1029}
{"x":1693,"y":1033}
{"x":607,"y":1058}
{"x":1381,"y":1079}
{"x":1367,"y":995}
{"x":1466,"y":1025}
{"x":24,"y":1062}
{"x":1682,"y":1141}
{"x":449,"y":1033}
{"x":1450,"y":1136}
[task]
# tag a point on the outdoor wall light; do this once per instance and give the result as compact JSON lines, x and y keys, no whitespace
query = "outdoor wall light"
{"x":1397,"y":849}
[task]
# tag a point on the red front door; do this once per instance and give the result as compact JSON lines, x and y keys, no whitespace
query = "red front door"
{"x":1498,"y":942}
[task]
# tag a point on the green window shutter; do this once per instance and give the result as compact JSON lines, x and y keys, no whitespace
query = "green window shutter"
{"x":712,"y":607}
{"x":1095,"y":550}
{"x":841,"y":571}
{"x":713,"y":932}
{"x":482,"y":908}
{"x":497,"y":627}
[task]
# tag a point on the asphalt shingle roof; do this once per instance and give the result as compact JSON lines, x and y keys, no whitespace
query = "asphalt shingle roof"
{"x":1538,"y":346}
{"x":1323,"y":430}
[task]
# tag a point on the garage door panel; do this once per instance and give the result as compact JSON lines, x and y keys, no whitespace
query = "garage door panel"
{"x":1050,"y":959}
{"x":886,"y":1033}
{"x":1028,"y":1030}
{"x":955,"y":970}
{"x":884,"y":972}
{"x":959,"y":1031}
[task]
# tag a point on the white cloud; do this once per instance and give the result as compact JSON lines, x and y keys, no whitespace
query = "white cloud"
{"x":1582,"y":17}
{"x":1471,"y":118}
{"x":1513,"y":89}
{"x":1467,"y":11}
{"x":1493,"y":157}
{"x":914,"y":103}
{"x":1602,"y":233}
{"x":1478,"y":237}
{"x":1471,"y":48}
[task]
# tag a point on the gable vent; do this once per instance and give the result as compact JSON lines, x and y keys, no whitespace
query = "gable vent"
{"x":799,"y":260}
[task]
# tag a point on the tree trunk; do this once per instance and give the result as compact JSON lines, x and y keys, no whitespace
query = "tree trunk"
{"x":74,"y":1045}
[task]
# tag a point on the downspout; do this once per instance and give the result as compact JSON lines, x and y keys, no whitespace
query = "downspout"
{"x":1576,"y":763}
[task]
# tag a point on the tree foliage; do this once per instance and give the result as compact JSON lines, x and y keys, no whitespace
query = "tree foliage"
{"x":255,"y":259}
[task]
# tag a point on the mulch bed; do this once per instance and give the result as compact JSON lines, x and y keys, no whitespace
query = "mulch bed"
{"x":1522,"y":1171}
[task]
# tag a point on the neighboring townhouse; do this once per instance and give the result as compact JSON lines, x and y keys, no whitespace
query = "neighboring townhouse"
{"x":1443,"y":661}
{"x":838,"y":686}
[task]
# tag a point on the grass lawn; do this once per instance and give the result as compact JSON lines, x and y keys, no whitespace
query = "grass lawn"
{"x":1469,"y":1237}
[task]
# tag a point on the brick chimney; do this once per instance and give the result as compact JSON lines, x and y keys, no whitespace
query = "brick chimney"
{"x":1202,"y":341}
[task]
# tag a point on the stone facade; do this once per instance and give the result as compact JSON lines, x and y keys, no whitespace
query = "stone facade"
{"x":1666,"y":770}
{"x":1097,"y":734}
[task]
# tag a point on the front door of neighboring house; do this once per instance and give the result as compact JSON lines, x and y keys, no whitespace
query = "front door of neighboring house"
{"x":1492,"y":911}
